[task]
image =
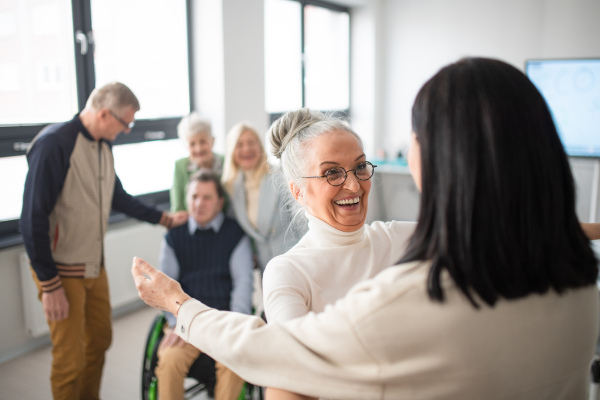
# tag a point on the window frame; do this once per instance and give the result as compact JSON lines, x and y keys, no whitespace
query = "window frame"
{"x":14,"y":139}
{"x":335,"y":7}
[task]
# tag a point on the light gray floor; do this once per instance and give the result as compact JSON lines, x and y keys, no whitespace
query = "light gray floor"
{"x":28,"y":377}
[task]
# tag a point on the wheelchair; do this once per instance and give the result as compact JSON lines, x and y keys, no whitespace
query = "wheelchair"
{"x":202,"y":371}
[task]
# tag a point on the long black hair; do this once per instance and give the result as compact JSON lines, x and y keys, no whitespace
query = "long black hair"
{"x":498,"y":198}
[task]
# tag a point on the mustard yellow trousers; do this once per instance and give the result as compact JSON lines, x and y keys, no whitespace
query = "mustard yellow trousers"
{"x":79,"y":343}
{"x":174,"y":362}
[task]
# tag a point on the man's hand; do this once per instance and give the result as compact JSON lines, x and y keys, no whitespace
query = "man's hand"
{"x":178,"y":218}
{"x":171,"y":339}
{"x":157,"y":289}
{"x":56,"y":305}
{"x":172,"y":220}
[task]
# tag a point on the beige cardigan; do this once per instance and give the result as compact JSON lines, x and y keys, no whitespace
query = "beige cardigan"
{"x":387,"y":340}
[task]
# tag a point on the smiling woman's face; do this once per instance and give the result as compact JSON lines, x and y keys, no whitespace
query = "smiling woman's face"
{"x":343,"y":207}
{"x":247,"y":153}
{"x":200,"y":148}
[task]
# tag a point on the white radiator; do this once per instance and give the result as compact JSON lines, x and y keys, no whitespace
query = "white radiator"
{"x":35,"y":320}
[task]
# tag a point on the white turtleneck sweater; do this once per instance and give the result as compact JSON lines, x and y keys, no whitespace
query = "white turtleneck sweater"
{"x":326,"y":263}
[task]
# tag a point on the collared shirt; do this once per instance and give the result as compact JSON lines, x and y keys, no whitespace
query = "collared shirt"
{"x":240,"y":267}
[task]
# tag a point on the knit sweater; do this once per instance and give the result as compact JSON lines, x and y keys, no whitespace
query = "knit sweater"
{"x":204,"y":259}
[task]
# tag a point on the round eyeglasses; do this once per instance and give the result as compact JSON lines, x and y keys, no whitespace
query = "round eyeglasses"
{"x":336,"y":176}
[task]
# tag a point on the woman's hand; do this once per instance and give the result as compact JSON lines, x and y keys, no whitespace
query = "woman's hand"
{"x":157,"y":289}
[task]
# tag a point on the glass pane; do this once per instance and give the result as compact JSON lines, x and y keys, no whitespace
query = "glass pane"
{"x":12,"y":180}
{"x":37,"y":66}
{"x":326,"y":56}
{"x":148,"y":167}
{"x":283,"y":56}
{"x":143,"y":43}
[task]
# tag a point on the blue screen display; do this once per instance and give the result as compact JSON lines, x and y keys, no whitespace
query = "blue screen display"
{"x":572,"y":90}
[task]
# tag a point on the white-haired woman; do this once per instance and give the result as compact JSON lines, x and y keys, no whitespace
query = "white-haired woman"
{"x":324,"y":162}
{"x":259,"y":205}
{"x":196,"y":132}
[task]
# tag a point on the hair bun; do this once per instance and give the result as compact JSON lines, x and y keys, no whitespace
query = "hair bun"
{"x":284,"y":129}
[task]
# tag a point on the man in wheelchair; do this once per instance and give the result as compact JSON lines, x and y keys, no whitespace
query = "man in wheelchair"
{"x":211,"y":257}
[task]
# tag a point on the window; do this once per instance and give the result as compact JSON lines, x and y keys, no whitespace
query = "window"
{"x":307,"y":56}
{"x":54,"y":52}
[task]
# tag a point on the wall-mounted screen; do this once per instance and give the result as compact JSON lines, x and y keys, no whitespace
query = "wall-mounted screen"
{"x":572,"y":90}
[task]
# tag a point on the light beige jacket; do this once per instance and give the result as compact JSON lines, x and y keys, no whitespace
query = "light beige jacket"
{"x":387,"y":340}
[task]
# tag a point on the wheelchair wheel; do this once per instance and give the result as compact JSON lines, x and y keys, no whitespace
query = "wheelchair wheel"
{"x":155,"y":335}
{"x":251,"y":392}
{"x":202,"y":371}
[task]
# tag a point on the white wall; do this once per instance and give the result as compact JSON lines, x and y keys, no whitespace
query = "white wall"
{"x":366,"y":88}
{"x":423,"y":36}
{"x":209,"y":78}
{"x":228,"y":47}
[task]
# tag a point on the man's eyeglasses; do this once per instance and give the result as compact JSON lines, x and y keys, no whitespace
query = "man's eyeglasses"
{"x":336,"y":176}
{"x":125,"y":124}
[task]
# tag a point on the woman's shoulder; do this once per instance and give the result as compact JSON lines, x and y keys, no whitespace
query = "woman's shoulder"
{"x":284,"y":270}
{"x":182,"y":163}
{"x":393,"y":229}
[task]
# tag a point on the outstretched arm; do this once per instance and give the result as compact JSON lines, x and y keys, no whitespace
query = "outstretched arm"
{"x":323,"y":355}
{"x":156,"y":288}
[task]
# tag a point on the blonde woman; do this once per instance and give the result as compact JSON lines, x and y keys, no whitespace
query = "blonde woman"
{"x":253,"y":186}
{"x":196,"y":132}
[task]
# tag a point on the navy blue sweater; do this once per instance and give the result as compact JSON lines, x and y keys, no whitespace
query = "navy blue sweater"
{"x":203,"y":260}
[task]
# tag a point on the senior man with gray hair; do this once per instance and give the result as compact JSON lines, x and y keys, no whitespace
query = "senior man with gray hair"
{"x":70,"y":189}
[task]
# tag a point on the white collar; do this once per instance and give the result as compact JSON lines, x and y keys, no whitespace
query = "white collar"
{"x":214,"y":224}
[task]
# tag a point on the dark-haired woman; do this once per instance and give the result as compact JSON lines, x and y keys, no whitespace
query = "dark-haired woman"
{"x":496,"y":296}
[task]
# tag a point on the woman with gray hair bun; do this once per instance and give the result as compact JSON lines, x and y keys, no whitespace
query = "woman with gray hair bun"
{"x":323,"y":160}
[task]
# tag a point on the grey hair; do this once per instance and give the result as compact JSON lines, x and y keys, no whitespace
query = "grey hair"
{"x":291,"y":136}
{"x":193,"y":124}
{"x":114,"y":95}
